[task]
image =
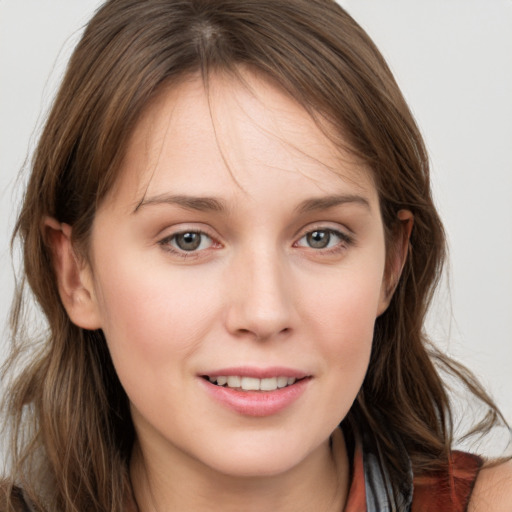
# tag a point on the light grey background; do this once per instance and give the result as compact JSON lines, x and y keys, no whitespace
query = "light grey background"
{"x":453,"y":60}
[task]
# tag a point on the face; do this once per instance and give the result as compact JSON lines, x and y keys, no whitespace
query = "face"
{"x":237,"y":270}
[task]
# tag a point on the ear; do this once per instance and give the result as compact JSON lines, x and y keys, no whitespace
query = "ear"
{"x":74,"y":276}
{"x":396,"y":257}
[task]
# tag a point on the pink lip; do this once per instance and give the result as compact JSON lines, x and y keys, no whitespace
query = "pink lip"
{"x":257,"y":403}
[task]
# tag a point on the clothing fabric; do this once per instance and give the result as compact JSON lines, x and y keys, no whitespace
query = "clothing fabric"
{"x":370,"y":488}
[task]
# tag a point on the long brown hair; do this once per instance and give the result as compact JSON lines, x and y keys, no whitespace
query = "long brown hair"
{"x":69,"y":415}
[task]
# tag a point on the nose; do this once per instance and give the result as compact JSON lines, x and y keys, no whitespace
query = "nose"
{"x":260,"y":298}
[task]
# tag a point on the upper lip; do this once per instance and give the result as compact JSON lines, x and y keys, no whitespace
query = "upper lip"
{"x":256,"y":372}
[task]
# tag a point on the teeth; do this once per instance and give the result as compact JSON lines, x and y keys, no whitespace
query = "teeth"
{"x":222,"y":381}
{"x":249,"y":384}
{"x":282,"y":382}
{"x":252,"y":383}
{"x":234,"y":382}
{"x":268,"y":384}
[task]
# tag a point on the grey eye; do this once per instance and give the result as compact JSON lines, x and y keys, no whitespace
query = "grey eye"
{"x":318,"y":239}
{"x":189,"y":241}
{"x":324,"y":239}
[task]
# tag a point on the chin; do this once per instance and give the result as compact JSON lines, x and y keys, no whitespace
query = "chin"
{"x":259,"y":460}
{"x":256,"y":467}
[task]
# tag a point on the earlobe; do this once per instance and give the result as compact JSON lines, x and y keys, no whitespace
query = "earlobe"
{"x":396,"y":257}
{"x":73,"y":275}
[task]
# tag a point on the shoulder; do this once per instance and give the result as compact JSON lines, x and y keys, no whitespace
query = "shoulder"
{"x":493,"y":489}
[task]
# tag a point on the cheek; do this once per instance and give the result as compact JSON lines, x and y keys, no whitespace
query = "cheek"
{"x":345,"y":311}
{"x":150,"y":313}
{"x":348,"y":303}
{"x":341,"y":321}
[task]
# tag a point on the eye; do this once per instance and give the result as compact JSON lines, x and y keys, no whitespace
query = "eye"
{"x":324,"y":239}
{"x":187,"y":241}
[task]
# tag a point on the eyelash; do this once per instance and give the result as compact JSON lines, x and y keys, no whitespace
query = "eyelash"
{"x":345,"y":241}
{"x":167,"y":242}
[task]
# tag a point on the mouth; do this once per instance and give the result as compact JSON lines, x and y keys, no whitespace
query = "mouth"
{"x":244,"y":383}
{"x":252,"y":391}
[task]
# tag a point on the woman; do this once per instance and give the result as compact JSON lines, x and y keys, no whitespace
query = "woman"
{"x":230,"y":229}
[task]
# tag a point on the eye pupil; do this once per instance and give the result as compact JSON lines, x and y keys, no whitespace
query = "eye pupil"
{"x":318,"y":239}
{"x":188,"y":241}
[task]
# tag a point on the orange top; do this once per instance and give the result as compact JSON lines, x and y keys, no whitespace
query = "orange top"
{"x":435,"y":493}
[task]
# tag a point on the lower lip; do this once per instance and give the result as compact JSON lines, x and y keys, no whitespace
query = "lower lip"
{"x":257,"y":403}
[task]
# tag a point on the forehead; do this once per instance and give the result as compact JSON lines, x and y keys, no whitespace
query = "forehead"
{"x":233,"y":138}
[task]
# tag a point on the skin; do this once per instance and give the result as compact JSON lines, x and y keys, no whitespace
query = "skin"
{"x":493,"y":489}
{"x":254,"y":292}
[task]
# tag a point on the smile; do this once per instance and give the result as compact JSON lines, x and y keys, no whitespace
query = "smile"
{"x":252,"y":383}
{"x":252,"y":396}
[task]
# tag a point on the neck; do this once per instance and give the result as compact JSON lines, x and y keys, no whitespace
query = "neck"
{"x":319,"y":483}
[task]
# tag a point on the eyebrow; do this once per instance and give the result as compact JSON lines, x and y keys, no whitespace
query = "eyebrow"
{"x":324,"y":203}
{"x":202,"y":204}
{"x":205,"y":204}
